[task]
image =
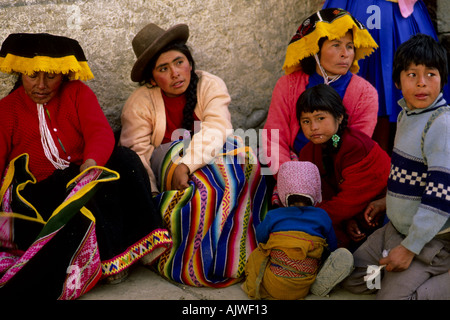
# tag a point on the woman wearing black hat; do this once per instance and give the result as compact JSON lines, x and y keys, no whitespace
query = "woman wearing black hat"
{"x":75,"y":209}
{"x":209,"y":201}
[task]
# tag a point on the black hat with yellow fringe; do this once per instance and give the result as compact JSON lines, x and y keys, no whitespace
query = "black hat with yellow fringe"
{"x":332,"y":23}
{"x":28,"y":53}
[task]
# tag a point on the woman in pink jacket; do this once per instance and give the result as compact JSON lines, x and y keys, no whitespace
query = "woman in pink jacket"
{"x":325,"y":49}
{"x":212,"y":193}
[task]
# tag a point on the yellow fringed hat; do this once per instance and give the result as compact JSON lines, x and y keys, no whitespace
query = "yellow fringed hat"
{"x":28,"y":53}
{"x":332,"y":23}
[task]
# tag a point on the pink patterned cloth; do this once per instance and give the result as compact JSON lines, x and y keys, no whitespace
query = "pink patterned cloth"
{"x":299,"y":177}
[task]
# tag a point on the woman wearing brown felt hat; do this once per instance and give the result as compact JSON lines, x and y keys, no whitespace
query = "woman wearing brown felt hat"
{"x":176,"y":100}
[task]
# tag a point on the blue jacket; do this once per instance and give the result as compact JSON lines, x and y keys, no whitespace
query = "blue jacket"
{"x":311,"y":220}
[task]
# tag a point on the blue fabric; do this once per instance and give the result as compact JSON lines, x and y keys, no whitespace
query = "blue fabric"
{"x":339,"y":85}
{"x":311,"y":220}
{"x":392,"y":30}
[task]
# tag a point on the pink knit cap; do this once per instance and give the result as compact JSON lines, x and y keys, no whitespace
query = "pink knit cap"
{"x":299,"y":177}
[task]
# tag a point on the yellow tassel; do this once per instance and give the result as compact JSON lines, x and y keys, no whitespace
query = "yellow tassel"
{"x":68,"y":65}
{"x":309,"y":45}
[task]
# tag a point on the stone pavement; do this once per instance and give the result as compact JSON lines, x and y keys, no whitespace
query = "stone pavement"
{"x":145,"y":284}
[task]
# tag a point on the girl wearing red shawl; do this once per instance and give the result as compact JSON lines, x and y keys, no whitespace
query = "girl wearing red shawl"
{"x":353,"y":168}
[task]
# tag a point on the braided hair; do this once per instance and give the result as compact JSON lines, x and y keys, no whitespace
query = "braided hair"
{"x":191,"y":91}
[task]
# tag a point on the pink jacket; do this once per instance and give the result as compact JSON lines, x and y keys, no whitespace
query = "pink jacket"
{"x":144,"y":123}
{"x":360,"y":101}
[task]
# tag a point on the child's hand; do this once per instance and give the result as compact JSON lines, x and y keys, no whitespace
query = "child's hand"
{"x":398,"y":259}
{"x":353,"y":231}
{"x":374,"y":211}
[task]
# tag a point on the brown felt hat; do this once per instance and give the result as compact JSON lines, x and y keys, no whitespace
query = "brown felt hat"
{"x":150,"y":40}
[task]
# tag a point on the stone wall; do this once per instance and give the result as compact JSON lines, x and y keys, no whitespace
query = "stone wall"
{"x":443,"y":23}
{"x":241,"y":41}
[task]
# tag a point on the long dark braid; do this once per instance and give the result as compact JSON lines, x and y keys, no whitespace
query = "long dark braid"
{"x":191,"y":102}
{"x":191,"y":91}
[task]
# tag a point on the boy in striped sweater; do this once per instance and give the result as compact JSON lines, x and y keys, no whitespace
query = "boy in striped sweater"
{"x":416,"y":240}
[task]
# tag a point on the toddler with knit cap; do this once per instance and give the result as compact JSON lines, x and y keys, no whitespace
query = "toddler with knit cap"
{"x":293,"y":241}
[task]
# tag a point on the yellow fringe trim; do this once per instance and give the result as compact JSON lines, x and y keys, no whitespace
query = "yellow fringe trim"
{"x":309,"y":45}
{"x":68,"y":65}
{"x":8,"y":181}
{"x":88,"y":214}
{"x":85,"y":189}
{"x":79,"y":194}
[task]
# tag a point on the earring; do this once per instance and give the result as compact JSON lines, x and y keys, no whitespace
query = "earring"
{"x":336,"y":140}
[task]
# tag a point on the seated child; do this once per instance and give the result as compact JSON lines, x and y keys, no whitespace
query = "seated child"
{"x":353,"y":168}
{"x":416,"y":240}
{"x":292,"y":240}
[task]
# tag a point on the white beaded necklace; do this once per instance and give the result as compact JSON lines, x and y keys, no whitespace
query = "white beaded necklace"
{"x":50,"y":149}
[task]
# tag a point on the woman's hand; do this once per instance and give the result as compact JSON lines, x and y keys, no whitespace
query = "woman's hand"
{"x":87,"y":164}
{"x":180,"y":178}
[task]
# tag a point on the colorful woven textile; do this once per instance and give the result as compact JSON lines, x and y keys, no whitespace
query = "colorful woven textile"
{"x":213,"y":221}
{"x":78,"y":266}
{"x":152,"y":245}
{"x":285,"y":267}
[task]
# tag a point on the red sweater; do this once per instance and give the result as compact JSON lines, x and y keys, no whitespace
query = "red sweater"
{"x":360,"y":101}
{"x":361,"y":173}
{"x":75,"y":119}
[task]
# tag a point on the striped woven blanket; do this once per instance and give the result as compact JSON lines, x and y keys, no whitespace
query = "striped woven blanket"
{"x":213,"y":221}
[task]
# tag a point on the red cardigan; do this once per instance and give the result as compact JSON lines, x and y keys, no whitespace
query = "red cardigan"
{"x":361,"y":173}
{"x":76,"y":119}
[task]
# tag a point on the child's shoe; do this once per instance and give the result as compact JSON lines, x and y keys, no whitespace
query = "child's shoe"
{"x":335,"y":269}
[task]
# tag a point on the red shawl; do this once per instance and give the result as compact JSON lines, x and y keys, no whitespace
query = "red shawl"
{"x":361,"y":173}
